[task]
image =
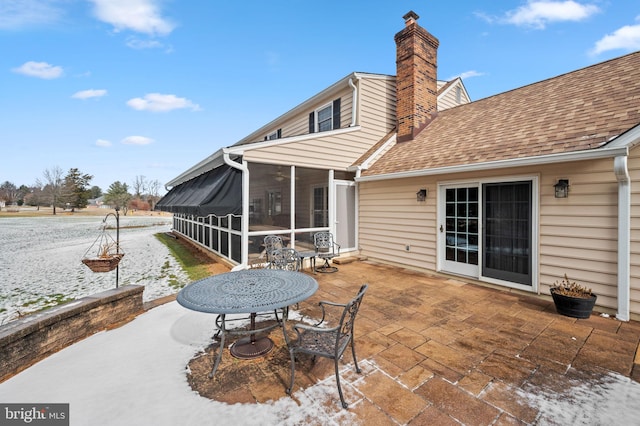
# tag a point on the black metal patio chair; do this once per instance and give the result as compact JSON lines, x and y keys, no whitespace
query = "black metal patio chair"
{"x":328,"y":342}
{"x":326,"y":249}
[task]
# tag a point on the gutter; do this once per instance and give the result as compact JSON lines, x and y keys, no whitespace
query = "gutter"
{"x":624,"y":236}
{"x":503,"y":164}
{"x":245,"y":206}
{"x":209,"y":163}
{"x":354,"y":102}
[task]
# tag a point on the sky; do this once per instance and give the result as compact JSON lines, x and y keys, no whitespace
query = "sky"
{"x":123,"y":89}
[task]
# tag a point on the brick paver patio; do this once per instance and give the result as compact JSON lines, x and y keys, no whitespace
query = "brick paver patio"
{"x":440,"y":351}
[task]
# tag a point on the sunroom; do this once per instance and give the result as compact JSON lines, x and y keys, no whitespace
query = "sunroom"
{"x":231,"y":208}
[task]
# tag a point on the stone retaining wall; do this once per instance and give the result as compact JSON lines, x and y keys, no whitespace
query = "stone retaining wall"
{"x":27,"y":340}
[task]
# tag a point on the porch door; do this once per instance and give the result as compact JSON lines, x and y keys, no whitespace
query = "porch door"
{"x":345,"y":214}
{"x":460,"y":231}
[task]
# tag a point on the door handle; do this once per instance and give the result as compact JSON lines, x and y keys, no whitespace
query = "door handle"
{"x":441,"y":229}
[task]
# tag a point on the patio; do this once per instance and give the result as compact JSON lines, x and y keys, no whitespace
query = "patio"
{"x":433,"y":351}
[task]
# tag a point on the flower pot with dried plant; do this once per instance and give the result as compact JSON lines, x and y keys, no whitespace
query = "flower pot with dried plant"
{"x":572,"y":299}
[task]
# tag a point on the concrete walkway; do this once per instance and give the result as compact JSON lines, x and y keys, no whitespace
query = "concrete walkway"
{"x":439,"y":351}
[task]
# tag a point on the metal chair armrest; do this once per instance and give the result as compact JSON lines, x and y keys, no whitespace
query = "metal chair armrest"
{"x":322,"y":304}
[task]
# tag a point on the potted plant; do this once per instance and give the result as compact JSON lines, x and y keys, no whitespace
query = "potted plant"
{"x":572,"y":299}
{"x":107,"y":258}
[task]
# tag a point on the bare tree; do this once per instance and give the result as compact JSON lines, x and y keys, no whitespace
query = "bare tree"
{"x":139,"y":186}
{"x":9,"y":193}
{"x":54,"y":184}
{"x":153,"y":194}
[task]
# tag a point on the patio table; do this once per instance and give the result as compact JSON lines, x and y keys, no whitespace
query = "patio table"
{"x":311,"y":254}
{"x":247,"y":291}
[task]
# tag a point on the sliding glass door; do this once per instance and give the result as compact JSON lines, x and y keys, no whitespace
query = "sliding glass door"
{"x":501,"y":248}
{"x":507,"y":231}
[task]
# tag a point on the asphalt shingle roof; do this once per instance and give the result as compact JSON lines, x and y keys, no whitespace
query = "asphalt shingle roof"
{"x":580,"y":110}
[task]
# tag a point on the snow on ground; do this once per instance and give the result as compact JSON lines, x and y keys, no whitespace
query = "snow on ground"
{"x":136,"y":375}
{"x":40,"y":260}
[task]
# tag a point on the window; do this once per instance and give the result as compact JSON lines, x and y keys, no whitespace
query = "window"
{"x":325,"y":118}
{"x":275,"y":135}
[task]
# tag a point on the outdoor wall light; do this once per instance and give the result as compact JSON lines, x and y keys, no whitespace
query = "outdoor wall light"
{"x":562,"y":188}
{"x":421,"y":195}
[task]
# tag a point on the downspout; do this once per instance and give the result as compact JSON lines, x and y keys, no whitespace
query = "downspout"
{"x":244,"y":257}
{"x":624,"y":236}
{"x":354,"y":104}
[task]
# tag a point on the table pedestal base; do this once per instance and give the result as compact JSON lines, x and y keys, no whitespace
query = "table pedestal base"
{"x":248,"y":348}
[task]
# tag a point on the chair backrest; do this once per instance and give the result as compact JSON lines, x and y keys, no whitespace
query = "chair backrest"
{"x":349,"y":314}
{"x":271,"y":244}
{"x":323,"y":242}
{"x":286,"y":259}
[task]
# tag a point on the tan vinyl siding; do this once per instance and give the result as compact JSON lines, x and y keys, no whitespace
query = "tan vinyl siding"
{"x":378,"y":105}
{"x":390,"y":218}
{"x":299,"y":125}
{"x":377,"y":100}
{"x":330,"y":152}
{"x":577,"y":235}
{"x":449,"y":99}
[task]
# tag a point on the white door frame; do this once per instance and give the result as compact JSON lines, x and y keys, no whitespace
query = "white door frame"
{"x":336,"y":225}
{"x":474,"y":272}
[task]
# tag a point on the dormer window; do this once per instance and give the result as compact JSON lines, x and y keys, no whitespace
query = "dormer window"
{"x":325,"y":118}
{"x":275,"y":135}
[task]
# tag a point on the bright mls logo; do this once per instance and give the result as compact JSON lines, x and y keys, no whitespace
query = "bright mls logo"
{"x":34,"y":414}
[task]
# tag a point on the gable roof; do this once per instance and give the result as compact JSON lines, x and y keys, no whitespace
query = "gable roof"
{"x":577,"y":111}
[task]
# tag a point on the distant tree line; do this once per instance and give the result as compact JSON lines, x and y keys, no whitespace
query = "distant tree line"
{"x":72,"y":191}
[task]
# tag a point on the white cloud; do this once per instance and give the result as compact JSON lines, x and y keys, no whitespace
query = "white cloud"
{"x":91,"y":93}
{"x":17,"y":14}
{"x":136,"y":43}
{"x":158,"y":102}
{"x":103,"y":143}
{"x":141,"y":16}
{"x":538,"y":14}
{"x":626,"y":38}
{"x":469,"y":74}
{"x":137,"y":140}
{"x":39,"y":69}
{"x":466,"y":75}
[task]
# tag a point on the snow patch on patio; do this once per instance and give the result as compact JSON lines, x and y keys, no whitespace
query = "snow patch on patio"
{"x":581,"y":398}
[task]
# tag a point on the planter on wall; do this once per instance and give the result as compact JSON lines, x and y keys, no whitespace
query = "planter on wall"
{"x":572,"y":306}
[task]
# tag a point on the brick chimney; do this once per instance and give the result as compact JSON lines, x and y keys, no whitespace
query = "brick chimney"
{"x":416,"y":78}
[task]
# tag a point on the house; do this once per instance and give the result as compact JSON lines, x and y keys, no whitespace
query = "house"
{"x":294,"y":176}
{"x":514,"y":190}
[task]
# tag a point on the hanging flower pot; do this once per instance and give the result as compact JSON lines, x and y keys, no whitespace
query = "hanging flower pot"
{"x":573,"y":300}
{"x":107,"y":251}
{"x":103,"y":264}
